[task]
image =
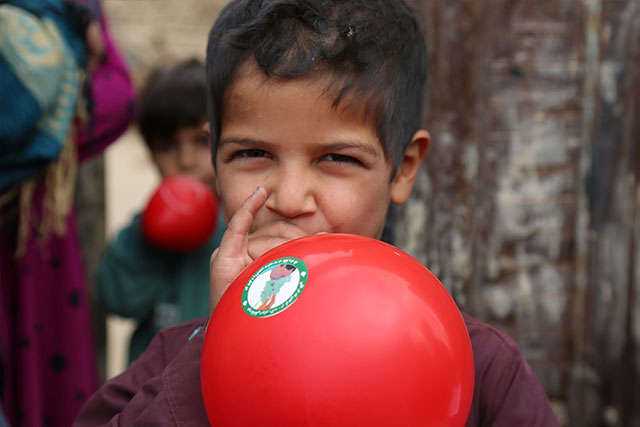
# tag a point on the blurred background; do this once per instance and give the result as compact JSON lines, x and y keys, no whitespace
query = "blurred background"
{"x":149,"y":33}
{"x":528,"y":205}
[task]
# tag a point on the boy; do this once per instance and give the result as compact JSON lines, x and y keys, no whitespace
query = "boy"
{"x":316,"y":107}
{"x":155,"y":286}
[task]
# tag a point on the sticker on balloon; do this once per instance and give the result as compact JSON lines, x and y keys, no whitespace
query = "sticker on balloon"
{"x":274,"y":287}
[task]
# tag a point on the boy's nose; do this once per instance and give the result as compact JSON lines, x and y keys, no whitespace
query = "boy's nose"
{"x":291,"y":193}
{"x":186,"y":157}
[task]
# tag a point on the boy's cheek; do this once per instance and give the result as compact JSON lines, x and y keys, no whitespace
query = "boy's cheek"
{"x":209,"y":179}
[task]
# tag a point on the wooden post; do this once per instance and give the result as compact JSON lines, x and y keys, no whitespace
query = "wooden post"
{"x":526,"y":206}
{"x":90,"y":210}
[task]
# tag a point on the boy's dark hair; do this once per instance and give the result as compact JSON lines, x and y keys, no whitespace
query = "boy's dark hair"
{"x":373,"y":51}
{"x":173,"y":97}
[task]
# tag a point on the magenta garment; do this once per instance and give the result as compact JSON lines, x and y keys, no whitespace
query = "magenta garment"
{"x":48,"y":363}
{"x":162,"y":387}
{"x":113,"y":99}
{"x":46,"y":349}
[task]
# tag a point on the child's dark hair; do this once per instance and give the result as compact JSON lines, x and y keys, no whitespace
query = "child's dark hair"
{"x":173,"y":97}
{"x":373,"y":51}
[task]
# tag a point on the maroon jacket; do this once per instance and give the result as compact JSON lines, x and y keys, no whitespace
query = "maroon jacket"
{"x":162,"y":387}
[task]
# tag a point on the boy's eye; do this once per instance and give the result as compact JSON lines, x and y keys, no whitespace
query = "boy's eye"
{"x":341,"y":158}
{"x":251,"y":153}
{"x":163,"y":145}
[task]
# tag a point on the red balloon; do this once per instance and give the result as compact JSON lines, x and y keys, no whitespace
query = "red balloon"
{"x":181,"y":214}
{"x":337,"y":329}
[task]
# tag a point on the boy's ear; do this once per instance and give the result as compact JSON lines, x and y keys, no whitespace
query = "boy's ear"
{"x":407,"y":172}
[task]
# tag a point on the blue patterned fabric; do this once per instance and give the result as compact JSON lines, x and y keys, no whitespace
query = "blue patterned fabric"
{"x":65,"y":14}
{"x":40,"y":55}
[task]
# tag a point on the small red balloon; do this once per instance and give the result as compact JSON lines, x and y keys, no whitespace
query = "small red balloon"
{"x":180,"y":215}
{"x":337,"y":329}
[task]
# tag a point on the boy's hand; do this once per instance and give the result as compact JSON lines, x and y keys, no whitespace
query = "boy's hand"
{"x":237,"y":248}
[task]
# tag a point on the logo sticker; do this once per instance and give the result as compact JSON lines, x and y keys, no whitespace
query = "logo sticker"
{"x":274,"y":287}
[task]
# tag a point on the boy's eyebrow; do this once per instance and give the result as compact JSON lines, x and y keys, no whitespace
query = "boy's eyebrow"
{"x":341,"y":145}
{"x":242,"y":141}
{"x":337,"y":146}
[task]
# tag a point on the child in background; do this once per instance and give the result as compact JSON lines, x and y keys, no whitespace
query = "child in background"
{"x":159,"y":287}
{"x":315,"y":123}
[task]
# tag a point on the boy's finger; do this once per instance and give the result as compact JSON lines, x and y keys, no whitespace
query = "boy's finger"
{"x":272,"y":235}
{"x":234,"y":238}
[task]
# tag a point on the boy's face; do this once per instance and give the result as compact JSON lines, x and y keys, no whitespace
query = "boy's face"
{"x":188,"y":152}
{"x":279,"y":272}
{"x":323,"y":168}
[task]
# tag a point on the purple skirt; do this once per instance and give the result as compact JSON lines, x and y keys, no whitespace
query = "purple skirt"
{"x":47,"y":352}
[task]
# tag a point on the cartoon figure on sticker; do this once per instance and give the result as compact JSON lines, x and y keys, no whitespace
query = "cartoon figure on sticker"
{"x":279,"y":276}
{"x":274,"y":287}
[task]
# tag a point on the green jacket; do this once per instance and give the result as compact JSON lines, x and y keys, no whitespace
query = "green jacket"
{"x":158,"y":288}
